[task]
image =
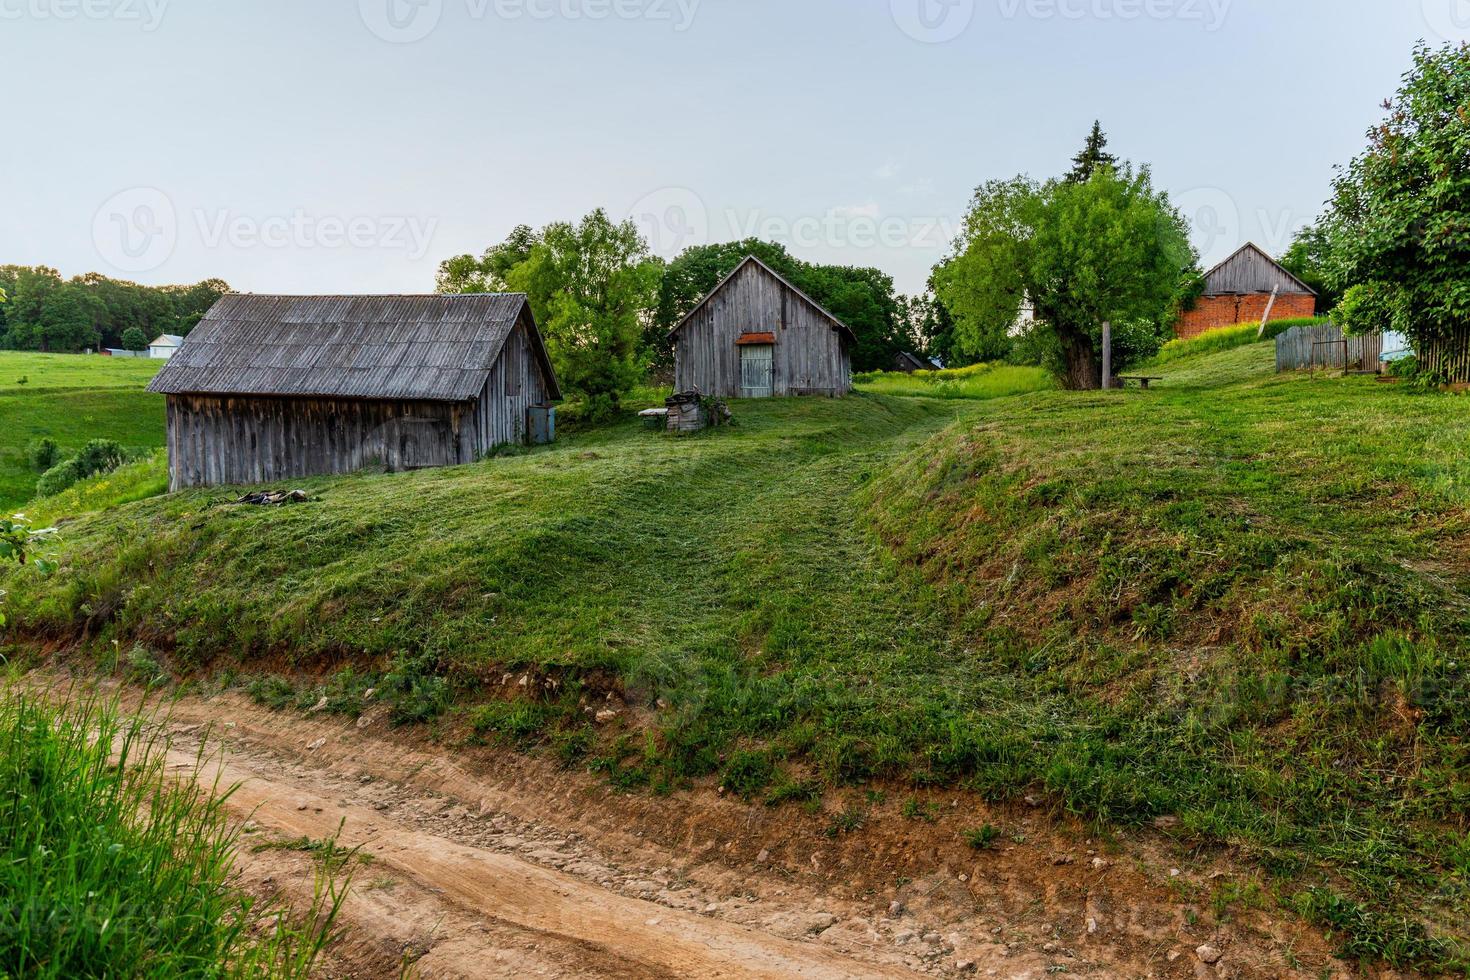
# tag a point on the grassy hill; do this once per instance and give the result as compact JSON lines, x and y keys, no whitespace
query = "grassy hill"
{"x":1234,"y":606}
{"x":73,"y":399}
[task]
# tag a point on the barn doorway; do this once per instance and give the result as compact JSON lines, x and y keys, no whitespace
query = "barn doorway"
{"x":756,"y":366}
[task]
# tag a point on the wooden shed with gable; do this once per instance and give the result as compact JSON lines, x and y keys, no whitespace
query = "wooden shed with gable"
{"x":758,"y":336}
{"x":1247,"y":287}
{"x":276,"y":387}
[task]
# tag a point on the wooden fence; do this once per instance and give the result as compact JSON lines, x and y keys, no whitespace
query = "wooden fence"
{"x":1327,"y":347}
{"x":1448,"y":357}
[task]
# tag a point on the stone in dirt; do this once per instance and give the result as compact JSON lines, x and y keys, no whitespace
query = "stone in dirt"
{"x":1208,"y":954}
{"x":797,"y":925}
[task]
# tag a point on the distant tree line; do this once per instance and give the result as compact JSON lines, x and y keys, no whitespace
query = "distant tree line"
{"x":45,"y":312}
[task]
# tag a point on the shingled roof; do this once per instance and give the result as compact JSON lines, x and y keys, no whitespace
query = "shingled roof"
{"x":411,"y":348}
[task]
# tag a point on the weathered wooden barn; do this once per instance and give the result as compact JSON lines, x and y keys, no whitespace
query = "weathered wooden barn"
{"x":907,"y":363}
{"x":758,"y":336}
{"x":1240,"y":290}
{"x":275,"y":387}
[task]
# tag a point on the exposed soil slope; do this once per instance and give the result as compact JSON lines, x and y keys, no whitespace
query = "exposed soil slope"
{"x":481,"y":864}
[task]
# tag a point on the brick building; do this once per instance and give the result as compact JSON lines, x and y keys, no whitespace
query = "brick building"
{"x":1239,"y":289}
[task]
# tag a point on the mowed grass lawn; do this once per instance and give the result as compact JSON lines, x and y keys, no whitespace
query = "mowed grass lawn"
{"x":1237,"y":605}
{"x":72,"y":398}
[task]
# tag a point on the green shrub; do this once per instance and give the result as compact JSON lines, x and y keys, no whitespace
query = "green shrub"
{"x":272,"y":691}
{"x":747,"y":773}
{"x":101,"y":456}
{"x":58,"y":478}
{"x":43,"y":454}
{"x":143,"y":668}
{"x":97,"y":456}
{"x":982,"y":838}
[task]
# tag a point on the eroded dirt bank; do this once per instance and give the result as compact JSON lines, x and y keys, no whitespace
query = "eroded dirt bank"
{"x":488,"y":864}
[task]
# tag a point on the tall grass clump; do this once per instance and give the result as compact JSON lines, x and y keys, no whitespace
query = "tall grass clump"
{"x":977,"y":382}
{"x":1228,"y":338}
{"x":111,"y":867}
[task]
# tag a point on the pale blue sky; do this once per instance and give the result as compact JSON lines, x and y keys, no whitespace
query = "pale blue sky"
{"x":293,"y":146}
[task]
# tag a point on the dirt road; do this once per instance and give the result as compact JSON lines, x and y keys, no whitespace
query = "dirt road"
{"x":484,"y":864}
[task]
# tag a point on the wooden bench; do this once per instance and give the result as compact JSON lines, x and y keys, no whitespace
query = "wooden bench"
{"x":1141,"y":379}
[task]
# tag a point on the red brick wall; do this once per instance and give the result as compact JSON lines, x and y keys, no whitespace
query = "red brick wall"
{"x":1226,"y":311}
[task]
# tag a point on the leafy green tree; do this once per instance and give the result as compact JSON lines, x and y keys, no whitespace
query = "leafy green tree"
{"x":1094,"y":156}
{"x":1110,"y":249}
{"x":1398,"y":224}
{"x":591,"y":286}
{"x":1307,"y":260}
{"x":134,"y":339}
{"x":490,"y":273}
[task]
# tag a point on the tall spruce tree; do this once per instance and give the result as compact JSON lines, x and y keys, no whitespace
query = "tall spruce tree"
{"x":1095,"y":154}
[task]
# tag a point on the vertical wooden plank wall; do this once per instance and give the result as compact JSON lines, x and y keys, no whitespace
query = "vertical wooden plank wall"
{"x":809,"y":355}
{"x":515,"y":384}
{"x":242,"y":440}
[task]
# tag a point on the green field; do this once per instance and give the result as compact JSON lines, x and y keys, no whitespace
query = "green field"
{"x":1238,"y":601}
{"x":983,"y":381}
{"x":72,"y":398}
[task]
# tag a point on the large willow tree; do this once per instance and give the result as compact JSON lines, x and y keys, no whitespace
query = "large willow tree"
{"x":1110,"y":248}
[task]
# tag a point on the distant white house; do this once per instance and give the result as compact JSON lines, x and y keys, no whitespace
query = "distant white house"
{"x":165,"y":347}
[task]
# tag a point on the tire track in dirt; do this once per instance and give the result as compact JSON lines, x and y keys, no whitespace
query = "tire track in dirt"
{"x":646,"y":939}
